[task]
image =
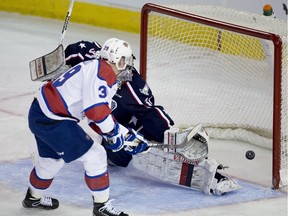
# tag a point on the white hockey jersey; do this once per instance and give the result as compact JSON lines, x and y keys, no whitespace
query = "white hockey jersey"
{"x":86,"y":90}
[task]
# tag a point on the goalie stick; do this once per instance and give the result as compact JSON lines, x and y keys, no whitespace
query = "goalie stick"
{"x":51,"y":64}
{"x":67,"y":18}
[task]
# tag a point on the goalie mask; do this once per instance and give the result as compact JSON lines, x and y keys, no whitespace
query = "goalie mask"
{"x":119,"y":52}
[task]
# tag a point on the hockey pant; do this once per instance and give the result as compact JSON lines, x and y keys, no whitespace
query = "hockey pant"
{"x":96,"y":175}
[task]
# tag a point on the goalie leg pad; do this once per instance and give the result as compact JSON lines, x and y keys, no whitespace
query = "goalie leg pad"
{"x":206,"y":170}
{"x":205,"y":176}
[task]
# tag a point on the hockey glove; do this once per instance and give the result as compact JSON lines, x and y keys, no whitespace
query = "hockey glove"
{"x":136,"y":138}
{"x":114,"y":139}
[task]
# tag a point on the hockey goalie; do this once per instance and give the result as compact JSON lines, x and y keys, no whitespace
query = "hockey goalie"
{"x":184,"y":161}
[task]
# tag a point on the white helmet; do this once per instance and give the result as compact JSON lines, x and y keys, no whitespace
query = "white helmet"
{"x":117,"y":52}
{"x":106,"y":48}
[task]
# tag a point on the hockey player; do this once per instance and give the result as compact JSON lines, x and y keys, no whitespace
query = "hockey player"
{"x":133,"y":106}
{"x":84,"y":91}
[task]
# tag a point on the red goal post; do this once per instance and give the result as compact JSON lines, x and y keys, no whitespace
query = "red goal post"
{"x":213,"y":33}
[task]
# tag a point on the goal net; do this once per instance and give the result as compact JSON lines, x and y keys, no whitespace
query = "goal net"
{"x":223,"y":68}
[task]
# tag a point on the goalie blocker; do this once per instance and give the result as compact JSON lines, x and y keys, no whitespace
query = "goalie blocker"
{"x":49,"y":66}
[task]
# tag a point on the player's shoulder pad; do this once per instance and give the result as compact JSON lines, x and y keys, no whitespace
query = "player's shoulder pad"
{"x":106,"y":73}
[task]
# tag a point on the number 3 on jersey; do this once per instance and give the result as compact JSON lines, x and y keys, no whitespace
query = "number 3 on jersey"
{"x":102,"y":91}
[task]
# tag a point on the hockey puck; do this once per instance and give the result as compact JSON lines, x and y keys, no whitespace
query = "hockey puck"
{"x":250,"y":155}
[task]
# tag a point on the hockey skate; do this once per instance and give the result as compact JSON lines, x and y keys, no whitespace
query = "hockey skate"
{"x":46,"y":203}
{"x":214,"y":182}
{"x":106,"y":209}
{"x":223,"y":184}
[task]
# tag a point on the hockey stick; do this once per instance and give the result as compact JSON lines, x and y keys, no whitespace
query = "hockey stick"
{"x":51,"y":64}
{"x":67,"y":18}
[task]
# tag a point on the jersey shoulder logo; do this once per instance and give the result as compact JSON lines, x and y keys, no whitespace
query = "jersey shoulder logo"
{"x":145,"y":90}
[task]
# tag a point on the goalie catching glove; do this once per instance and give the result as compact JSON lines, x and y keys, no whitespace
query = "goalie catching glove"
{"x":142,"y":145}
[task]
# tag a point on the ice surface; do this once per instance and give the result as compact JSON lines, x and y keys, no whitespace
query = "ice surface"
{"x":23,"y":38}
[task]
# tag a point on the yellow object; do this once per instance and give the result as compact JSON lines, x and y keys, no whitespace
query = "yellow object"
{"x":267,"y":10}
{"x":98,"y":15}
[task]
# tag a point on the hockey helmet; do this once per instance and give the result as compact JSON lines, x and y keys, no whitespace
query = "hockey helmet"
{"x":117,"y":52}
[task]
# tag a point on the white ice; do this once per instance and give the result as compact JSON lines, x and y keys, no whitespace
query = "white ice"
{"x":23,"y":38}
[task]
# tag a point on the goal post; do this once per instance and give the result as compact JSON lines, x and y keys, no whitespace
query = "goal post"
{"x":229,"y":51}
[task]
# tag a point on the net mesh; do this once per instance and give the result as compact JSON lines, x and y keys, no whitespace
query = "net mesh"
{"x":217,"y":77}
